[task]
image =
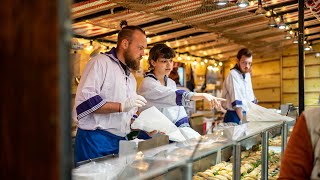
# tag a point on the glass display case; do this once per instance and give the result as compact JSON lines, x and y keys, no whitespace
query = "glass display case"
{"x":208,"y":157}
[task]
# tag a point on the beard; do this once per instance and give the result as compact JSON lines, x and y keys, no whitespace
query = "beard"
{"x":132,"y":63}
{"x":245,"y":70}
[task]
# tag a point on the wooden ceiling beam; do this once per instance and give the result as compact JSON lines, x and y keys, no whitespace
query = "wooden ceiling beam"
{"x":98,"y":14}
{"x":164,"y":20}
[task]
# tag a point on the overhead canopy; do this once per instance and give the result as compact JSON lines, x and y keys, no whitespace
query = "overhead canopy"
{"x":198,"y":27}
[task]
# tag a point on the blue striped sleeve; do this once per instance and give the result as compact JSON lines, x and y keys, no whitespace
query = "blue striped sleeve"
{"x":89,"y":106}
{"x":179,"y":94}
{"x":255,"y":101}
{"x":184,"y":122}
{"x":236,"y":103}
{"x":135,"y":116}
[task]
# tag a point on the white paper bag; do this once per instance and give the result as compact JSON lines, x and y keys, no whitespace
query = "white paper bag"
{"x":189,"y":133}
{"x":152,"y":119}
{"x":236,"y":132}
{"x":259,"y":113}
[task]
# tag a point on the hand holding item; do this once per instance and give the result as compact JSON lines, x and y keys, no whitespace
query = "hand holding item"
{"x":152,"y":133}
{"x":214,"y":101}
{"x":218,"y":104}
{"x":130,"y":103}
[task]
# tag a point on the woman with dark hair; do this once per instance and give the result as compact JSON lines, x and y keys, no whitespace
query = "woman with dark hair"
{"x":161,"y":91}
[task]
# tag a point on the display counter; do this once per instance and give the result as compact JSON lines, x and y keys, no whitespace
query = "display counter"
{"x":185,"y":159}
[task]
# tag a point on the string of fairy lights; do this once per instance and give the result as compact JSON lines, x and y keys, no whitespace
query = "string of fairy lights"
{"x":93,"y":47}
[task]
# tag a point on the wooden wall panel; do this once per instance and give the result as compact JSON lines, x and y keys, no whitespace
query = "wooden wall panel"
{"x":270,"y":105}
{"x":268,"y":95}
{"x":290,"y":98}
{"x":311,"y":85}
{"x":290,"y":61}
{"x":267,"y":81}
{"x":290,"y":72}
{"x":259,"y":59}
{"x":227,"y":66}
{"x":312,"y":106}
{"x":290,"y":85}
{"x":312,"y":71}
{"x":269,"y":67}
{"x":310,"y":99}
{"x":310,"y":59}
{"x":30,"y":85}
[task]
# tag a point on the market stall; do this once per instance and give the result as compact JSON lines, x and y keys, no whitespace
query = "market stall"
{"x":234,"y":151}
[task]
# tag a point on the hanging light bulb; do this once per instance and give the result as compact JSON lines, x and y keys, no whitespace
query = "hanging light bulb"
{"x":89,"y":48}
{"x":288,"y":35}
{"x":305,"y":40}
{"x":242,"y":3}
{"x":268,"y":14}
{"x":272,"y":22}
{"x":260,"y":10}
{"x":308,"y":47}
{"x":282,"y":25}
{"x":291,"y":32}
{"x":221,"y":2}
{"x":295,"y":39}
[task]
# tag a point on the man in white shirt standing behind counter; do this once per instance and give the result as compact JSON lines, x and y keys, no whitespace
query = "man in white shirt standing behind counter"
{"x":106,"y":98}
{"x":237,"y":88}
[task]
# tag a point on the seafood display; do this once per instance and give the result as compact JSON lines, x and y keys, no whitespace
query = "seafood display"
{"x":250,"y":167}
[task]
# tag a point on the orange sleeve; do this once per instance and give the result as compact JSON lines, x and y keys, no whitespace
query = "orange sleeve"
{"x":297,"y":161}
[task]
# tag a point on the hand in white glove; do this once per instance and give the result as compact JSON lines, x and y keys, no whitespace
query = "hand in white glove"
{"x":214,"y":101}
{"x":130,"y":103}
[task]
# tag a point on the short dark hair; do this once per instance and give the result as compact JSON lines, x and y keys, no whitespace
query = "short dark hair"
{"x":160,"y":51}
{"x":244,"y":52}
{"x":127,"y":32}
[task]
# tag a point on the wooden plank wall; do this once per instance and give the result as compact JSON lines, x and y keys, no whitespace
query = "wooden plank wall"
{"x":266,"y":81}
{"x":290,"y":77}
{"x":30,"y":126}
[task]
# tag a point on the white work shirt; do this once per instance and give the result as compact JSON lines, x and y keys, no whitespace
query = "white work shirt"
{"x":104,"y":80}
{"x":237,"y":90}
{"x":167,"y":99}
